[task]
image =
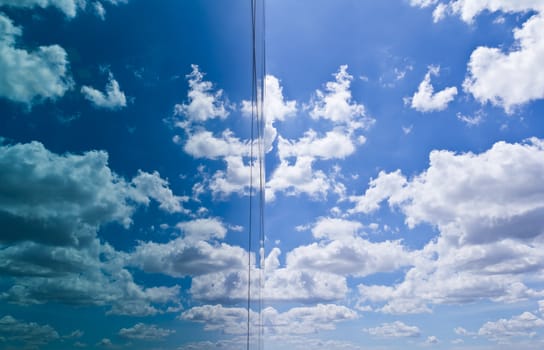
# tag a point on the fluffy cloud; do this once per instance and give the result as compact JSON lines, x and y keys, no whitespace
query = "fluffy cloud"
{"x":112,"y":99}
{"x":142,"y":331}
{"x":487,"y":208}
{"x":524,"y":325}
{"x":203,"y":104}
{"x":505,"y":78}
{"x":350,"y":256}
{"x":487,"y":197}
{"x":51,"y":209}
{"x":31,"y":334}
{"x":509,"y":79}
{"x":275,"y":109}
{"x":426,"y":100}
{"x":69,"y":7}
{"x":152,"y":186}
{"x":296,"y":171}
{"x":396,"y":329}
{"x":182,"y":257}
{"x":298,"y":320}
{"x":29,"y":76}
{"x":203,"y":144}
{"x":381,"y":188}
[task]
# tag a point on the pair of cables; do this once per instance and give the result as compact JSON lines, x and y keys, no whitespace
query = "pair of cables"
{"x":257,"y":155}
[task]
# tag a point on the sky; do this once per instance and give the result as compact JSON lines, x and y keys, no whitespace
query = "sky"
{"x":404,"y":153}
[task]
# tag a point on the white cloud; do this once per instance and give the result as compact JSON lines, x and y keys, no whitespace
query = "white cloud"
{"x":151,"y":185}
{"x":524,"y":325}
{"x":50,"y":219}
{"x":203,"y":104}
{"x":432,"y":340}
{"x":510,"y":79}
{"x":335,"y":229}
{"x":350,"y":256}
{"x":381,"y":188}
{"x":202,"y":229}
{"x":99,"y":10}
{"x":141,"y":331}
{"x":335,"y":144}
{"x":473,"y":120}
{"x":30,"y":76}
{"x":426,"y":100}
{"x":505,"y":78}
{"x":337,"y":105}
{"x":487,"y":208}
{"x":202,"y":144}
{"x":69,"y":7}
{"x":295,"y":173}
{"x":276,"y":108}
{"x":298,"y":320}
{"x":180,"y":257}
{"x":112,"y":99}
{"x":395,"y":329}
{"x":31,"y":334}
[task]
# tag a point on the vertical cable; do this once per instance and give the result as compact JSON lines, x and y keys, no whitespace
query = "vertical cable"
{"x":258,"y":86}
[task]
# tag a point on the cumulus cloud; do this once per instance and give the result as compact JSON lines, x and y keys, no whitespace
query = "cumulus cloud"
{"x":275,"y":108}
{"x":524,"y":325}
{"x":298,"y":320}
{"x":30,"y":335}
{"x":203,"y":103}
{"x":180,"y":257}
{"x":425,"y":99}
{"x":152,"y":186}
{"x":69,"y":7}
{"x":141,"y":331}
{"x":505,"y":78}
{"x":112,"y":99}
{"x":486,"y":208}
{"x":30,"y":76}
{"x":509,"y":79}
{"x":296,"y":172}
{"x":51,"y":208}
{"x":396,"y":329}
{"x":350,"y":256}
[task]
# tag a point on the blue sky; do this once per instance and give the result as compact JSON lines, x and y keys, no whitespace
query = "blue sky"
{"x":404,"y":165}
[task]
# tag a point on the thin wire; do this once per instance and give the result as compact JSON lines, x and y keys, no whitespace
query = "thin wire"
{"x":253,"y":99}
{"x":258,"y":86}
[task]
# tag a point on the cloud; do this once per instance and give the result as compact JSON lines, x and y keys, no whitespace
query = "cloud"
{"x":51,"y":209}
{"x":298,"y":320}
{"x":276,"y":108}
{"x":396,"y":329}
{"x":202,"y":144}
{"x":69,"y":7}
{"x":336,"y":103}
{"x":504,"y":78}
{"x":509,"y":79}
{"x":203,"y":104}
{"x":487,"y":209}
{"x":381,"y":188}
{"x":146,"y":332}
{"x":151,"y":185}
{"x":29,"y":334}
{"x":524,"y":325}
{"x":350,"y":256}
{"x":426,"y":100}
{"x":296,"y":171}
{"x":30,"y":76}
{"x":112,"y":99}
{"x":181,"y":257}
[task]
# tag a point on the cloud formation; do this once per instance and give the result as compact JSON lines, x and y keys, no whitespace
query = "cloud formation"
{"x":30,"y":76}
{"x":112,"y":99}
{"x":425,"y":99}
